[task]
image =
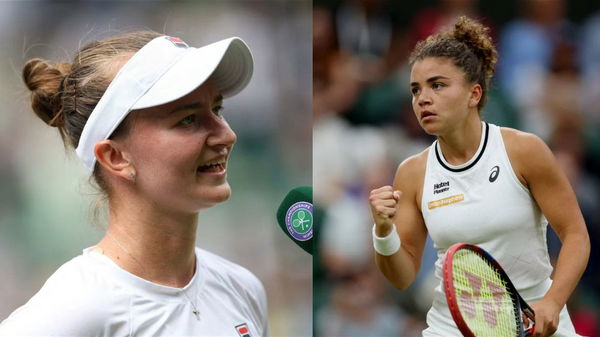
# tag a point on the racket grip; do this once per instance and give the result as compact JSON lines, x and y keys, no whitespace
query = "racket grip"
{"x":529,"y":332}
{"x":529,"y":316}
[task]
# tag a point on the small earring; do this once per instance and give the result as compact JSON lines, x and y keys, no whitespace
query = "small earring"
{"x":132,"y":176}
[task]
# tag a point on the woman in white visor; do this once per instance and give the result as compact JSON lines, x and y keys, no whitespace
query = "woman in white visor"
{"x":143,"y":113}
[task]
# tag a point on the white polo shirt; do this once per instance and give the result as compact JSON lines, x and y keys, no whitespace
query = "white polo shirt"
{"x":92,"y":296}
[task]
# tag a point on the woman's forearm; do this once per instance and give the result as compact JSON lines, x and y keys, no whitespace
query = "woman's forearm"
{"x":572,"y":260}
{"x":398,"y":268}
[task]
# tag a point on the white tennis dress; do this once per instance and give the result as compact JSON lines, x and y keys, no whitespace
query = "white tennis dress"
{"x":483,"y":202}
{"x":92,"y":296}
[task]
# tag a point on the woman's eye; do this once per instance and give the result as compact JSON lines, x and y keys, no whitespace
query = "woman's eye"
{"x":218,"y":110}
{"x":414,"y":91}
{"x":437,"y":85}
{"x":189,"y":120}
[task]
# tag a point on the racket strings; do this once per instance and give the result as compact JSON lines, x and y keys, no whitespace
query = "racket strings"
{"x":483,"y":299}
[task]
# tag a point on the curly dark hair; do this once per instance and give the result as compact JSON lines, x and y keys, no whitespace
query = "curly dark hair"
{"x":470,"y":48}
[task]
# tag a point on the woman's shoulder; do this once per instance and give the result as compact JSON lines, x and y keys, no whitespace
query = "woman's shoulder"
{"x":84,"y":275}
{"x":228,"y":273}
{"x":224,"y":267}
{"x":411,"y":171}
{"x":523,"y":146}
{"x":415,"y":163}
{"x":232,"y":283}
{"x":511,"y":134}
{"x":528,"y":153}
{"x":73,"y":301}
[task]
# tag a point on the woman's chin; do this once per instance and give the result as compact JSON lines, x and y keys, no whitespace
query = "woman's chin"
{"x":212,"y":196}
{"x":430,"y":129}
{"x":223,"y":193}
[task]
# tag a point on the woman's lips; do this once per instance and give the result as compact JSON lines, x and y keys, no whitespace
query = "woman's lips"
{"x":426,"y":115}
{"x":218,"y":169}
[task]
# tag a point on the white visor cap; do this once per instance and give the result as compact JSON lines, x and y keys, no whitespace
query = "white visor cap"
{"x":164,"y":70}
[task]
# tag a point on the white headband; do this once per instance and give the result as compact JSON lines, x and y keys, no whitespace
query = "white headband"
{"x":164,"y":70}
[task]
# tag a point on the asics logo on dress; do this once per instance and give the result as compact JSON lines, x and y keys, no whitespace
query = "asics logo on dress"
{"x":441,"y":187}
{"x":494,"y":175}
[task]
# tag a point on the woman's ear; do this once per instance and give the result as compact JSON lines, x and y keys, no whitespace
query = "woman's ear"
{"x":114,"y":159}
{"x":476,"y":93}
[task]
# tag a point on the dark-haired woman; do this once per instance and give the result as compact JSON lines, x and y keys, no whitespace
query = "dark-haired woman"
{"x":143,"y":113}
{"x":477,"y":183}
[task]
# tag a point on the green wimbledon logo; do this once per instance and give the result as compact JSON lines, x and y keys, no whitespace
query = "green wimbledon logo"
{"x":299,"y":220}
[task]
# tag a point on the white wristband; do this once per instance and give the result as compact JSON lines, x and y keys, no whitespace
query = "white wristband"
{"x":388,"y":245}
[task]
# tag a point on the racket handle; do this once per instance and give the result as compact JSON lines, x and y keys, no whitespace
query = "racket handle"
{"x":529,"y":317}
{"x":529,"y":332}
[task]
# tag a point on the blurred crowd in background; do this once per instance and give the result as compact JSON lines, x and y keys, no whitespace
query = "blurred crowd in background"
{"x":547,"y":82}
{"x":46,"y":200}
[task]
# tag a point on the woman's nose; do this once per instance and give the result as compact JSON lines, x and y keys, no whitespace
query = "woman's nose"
{"x":424,"y":98}
{"x":222,"y":134}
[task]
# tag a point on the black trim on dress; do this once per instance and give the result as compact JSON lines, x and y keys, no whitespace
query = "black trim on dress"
{"x":485,"y":139}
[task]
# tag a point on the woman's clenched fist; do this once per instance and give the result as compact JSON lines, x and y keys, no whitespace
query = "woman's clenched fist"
{"x":384,"y":203}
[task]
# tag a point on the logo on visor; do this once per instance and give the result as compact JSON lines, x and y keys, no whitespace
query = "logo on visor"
{"x":177,"y":42}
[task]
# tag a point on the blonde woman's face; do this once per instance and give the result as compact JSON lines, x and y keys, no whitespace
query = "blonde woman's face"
{"x":440,"y":94}
{"x":180,"y":151}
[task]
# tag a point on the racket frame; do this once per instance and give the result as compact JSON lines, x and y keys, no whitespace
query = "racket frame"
{"x":448,"y":279}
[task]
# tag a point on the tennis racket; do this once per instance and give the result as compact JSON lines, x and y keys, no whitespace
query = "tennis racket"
{"x":481,"y":298}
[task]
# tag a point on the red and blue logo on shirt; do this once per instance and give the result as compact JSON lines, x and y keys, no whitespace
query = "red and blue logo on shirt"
{"x":243,"y":330}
